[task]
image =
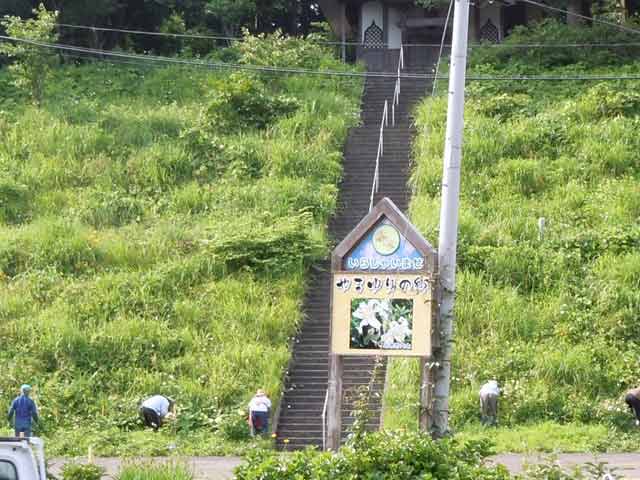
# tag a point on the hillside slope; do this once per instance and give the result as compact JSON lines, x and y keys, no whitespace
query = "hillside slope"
{"x":155,"y":226}
{"x":555,"y":318}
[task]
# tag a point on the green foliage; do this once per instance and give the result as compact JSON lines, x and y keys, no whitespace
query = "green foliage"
{"x":155,"y":472}
{"x":551,"y":470}
{"x":242,"y":102}
{"x":509,"y":58}
{"x":131,"y":264}
{"x":77,"y":471}
{"x":233,"y":426}
{"x":552,"y":317}
{"x":383,"y":455}
{"x":111,"y":209}
{"x":14,"y":201}
{"x":32,"y":64}
{"x":280,"y":50}
{"x":232,"y":13}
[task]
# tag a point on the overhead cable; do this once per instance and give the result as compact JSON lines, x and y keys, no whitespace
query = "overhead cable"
{"x":444,"y":36}
{"x":158,"y":60}
{"x":183,"y":35}
{"x":623,"y":28}
{"x":326,"y":42}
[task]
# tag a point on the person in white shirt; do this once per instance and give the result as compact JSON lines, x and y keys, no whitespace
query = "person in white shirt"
{"x":489,"y":393}
{"x":259,"y":408}
{"x":155,"y":409}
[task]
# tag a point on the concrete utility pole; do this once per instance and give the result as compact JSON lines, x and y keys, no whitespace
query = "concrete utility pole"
{"x":448,"y":240}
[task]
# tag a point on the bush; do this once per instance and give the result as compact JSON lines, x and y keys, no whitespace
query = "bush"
{"x":384,"y":455}
{"x":32,"y":64}
{"x":243,"y":102}
{"x":280,"y":50}
{"x":234,"y":425}
{"x":553,"y":32}
{"x":76,"y":471}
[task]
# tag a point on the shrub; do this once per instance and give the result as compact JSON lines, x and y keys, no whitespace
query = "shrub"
{"x":280,"y":50}
{"x":397,"y":455}
{"x":243,"y":102}
{"x":32,"y":64}
{"x":76,"y":471}
{"x":233,"y":426}
{"x":553,"y":32}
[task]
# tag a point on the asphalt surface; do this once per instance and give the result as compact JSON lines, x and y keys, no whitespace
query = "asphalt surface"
{"x":626,"y":465}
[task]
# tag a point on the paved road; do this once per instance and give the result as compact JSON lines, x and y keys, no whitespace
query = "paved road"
{"x":221,"y":468}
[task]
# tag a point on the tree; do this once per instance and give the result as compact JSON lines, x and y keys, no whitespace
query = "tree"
{"x":232,"y":14}
{"x":31,"y":63}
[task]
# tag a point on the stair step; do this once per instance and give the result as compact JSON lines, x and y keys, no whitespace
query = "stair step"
{"x":306,"y":380}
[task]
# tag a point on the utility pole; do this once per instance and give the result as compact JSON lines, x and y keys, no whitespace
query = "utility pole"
{"x":447,"y":242}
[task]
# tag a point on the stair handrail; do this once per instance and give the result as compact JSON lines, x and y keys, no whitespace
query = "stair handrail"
{"x":324,"y":420}
{"x":385,"y":123}
{"x":396,"y":91}
{"x":376,"y":175}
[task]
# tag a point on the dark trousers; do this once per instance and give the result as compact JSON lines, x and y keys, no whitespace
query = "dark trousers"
{"x":24,"y":429}
{"x":151,"y":418}
{"x":634,"y":404}
{"x":260,"y":422}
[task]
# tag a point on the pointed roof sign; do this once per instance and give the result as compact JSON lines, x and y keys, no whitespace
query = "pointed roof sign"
{"x":384,"y":241}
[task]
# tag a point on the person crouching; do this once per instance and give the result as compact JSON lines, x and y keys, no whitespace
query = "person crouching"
{"x":155,"y":409}
{"x":259,"y":408}
{"x":489,"y":394}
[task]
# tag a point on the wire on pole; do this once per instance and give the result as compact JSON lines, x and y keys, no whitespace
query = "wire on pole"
{"x":159,"y":60}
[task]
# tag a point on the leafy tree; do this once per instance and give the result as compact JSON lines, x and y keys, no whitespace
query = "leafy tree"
{"x":232,"y":14}
{"x":32,"y":63}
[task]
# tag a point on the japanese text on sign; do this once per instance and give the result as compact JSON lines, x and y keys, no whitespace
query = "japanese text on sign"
{"x":389,"y":284}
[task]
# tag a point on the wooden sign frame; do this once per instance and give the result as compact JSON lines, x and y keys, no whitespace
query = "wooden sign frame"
{"x":425,"y":335}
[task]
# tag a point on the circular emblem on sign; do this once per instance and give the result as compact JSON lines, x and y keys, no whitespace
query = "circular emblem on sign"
{"x":386,"y":240}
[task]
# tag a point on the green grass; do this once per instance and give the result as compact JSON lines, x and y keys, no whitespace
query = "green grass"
{"x":155,"y":472}
{"x":144,"y":249}
{"x":554,"y":320}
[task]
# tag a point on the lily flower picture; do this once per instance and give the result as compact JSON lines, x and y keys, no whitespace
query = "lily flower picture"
{"x":381,"y":324}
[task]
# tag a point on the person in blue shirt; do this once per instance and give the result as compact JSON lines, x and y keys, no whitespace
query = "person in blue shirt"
{"x":22,"y":411}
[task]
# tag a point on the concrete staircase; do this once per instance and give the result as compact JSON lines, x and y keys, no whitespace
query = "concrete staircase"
{"x":300,"y":419}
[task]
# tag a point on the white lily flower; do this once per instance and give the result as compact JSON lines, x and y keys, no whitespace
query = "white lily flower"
{"x":366,"y":312}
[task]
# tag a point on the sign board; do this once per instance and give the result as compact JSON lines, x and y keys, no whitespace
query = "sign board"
{"x":383,"y":288}
{"x":381,"y":313}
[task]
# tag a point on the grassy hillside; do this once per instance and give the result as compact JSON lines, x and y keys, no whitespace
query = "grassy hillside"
{"x":153,"y":240}
{"x":555,"y":319}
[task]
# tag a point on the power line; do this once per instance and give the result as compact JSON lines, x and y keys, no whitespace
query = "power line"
{"x":158,"y":60}
{"x":444,"y":36}
{"x":623,"y":28}
{"x":408,"y":45}
{"x":184,"y":35}
{"x":213,"y":65}
{"x":144,"y":32}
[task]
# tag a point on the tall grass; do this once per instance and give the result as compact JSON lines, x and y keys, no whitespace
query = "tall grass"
{"x":144,"y":249}
{"x":553,"y":318}
{"x":155,"y":472}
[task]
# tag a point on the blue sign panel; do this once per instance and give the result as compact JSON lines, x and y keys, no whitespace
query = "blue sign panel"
{"x":385,"y":249}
